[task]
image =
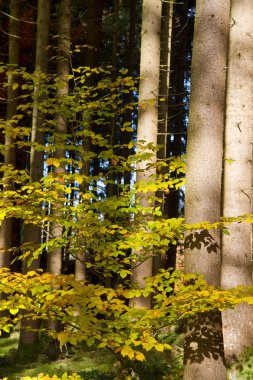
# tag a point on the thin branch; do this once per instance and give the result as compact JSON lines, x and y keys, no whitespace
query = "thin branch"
{"x":17,"y":19}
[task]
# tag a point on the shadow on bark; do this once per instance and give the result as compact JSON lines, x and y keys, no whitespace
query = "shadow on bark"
{"x":203,"y":338}
{"x":199,"y":239}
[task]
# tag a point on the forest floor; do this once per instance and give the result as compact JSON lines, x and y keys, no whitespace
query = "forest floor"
{"x":93,"y":364}
{"x":90,"y":364}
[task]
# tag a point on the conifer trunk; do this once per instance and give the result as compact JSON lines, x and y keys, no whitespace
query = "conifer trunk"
{"x":12,"y":103}
{"x":237,"y":189}
{"x":159,"y":261}
{"x":54,"y":258}
{"x":126,"y":137}
{"x":148,"y":116}
{"x":54,"y":263}
{"x":28,"y":340}
{"x":92,"y":59}
{"x":203,"y":345}
{"x":177,"y":107}
{"x":32,"y":233}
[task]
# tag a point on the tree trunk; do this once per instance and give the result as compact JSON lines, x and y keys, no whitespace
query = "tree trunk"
{"x":12,"y":103}
{"x":54,"y":264}
{"x":32,"y":233}
{"x":54,"y":259}
{"x":28,"y":340}
{"x":127,"y":116}
{"x":237,"y":189}
{"x":204,"y":356}
{"x":148,"y":115}
{"x":92,"y":58}
{"x":177,"y":106}
{"x":159,"y":261}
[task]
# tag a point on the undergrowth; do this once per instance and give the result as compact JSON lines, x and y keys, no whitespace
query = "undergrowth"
{"x":95,"y":364}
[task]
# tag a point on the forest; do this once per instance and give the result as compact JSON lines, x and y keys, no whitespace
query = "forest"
{"x":126,"y":189}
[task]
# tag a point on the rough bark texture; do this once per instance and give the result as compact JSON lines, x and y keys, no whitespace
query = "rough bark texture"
{"x":28,"y":340}
{"x":32,"y":233}
{"x":148,"y":113}
{"x":126,"y":137}
{"x":54,"y":259}
{"x":159,"y":261}
{"x":112,"y":189}
{"x":92,"y":59}
{"x":10,"y":153}
{"x":236,"y":247}
{"x":54,"y":264}
{"x":203,"y":342}
{"x":165,"y":67}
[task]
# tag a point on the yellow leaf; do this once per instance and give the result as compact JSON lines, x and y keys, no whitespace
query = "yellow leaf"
{"x":79,"y":179}
{"x":127,"y":351}
{"x":14,"y":310}
{"x":53,"y":161}
{"x":139,"y":356}
{"x":159,"y":347}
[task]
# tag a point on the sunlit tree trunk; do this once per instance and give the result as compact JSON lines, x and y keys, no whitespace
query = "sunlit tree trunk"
{"x":148,"y":116}
{"x":237,"y":190}
{"x":12,"y":103}
{"x":28,"y":341}
{"x":203,"y":345}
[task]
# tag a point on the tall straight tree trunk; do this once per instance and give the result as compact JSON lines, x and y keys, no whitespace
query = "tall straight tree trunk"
{"x":111,"y":186}
{"x":28,"y":340}
{"x":32,"y":233}
{"x":54,"y":258}
{"x":203,"y":345}
{"x":12,"y":103}
{"x":54,"y":264}
{"x":237,"y":190}
{"x":177,"y":105}
{"x":159,"y":261}
{"x":92,"y":58}
{"x":126,"y":137}
{"x":6,"y":227}
{"x":115,"y":36}
{"x":148,"y":115}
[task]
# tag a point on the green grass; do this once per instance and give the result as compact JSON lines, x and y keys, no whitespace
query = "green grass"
{"x":92,"y":364}
{"x":89,"y":367}
{"x":7,"y":344}
{"x":89,"y":364}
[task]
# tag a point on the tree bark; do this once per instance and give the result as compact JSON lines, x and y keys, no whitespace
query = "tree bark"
{"x":159,"y":260}
{"x":32,"y":233}
{"x":54,"y":259}
{"x":12,"y":103}
{"x":54,"y":264}
{"x":237,"y":189}
{"x":177,"y":114}
{"x":148,"y":115}
{"x":204,"y":356}
{"x":127,"y":117}
{"x":28,"y":340}
{"x":92,"y":59}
